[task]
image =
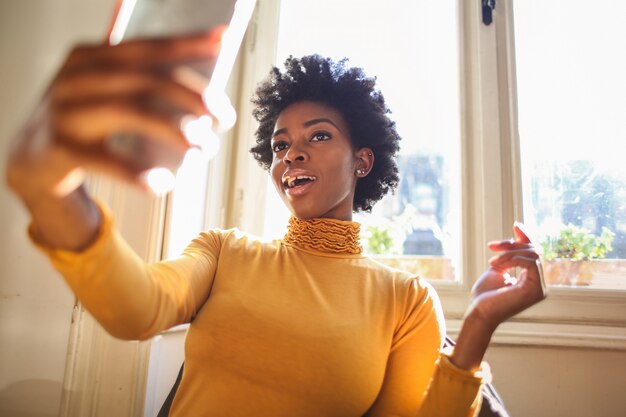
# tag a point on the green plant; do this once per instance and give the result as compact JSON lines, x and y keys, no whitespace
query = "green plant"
{"x":578,"y":244}
{"x":385,"y":236}
{"x":378,"y":240}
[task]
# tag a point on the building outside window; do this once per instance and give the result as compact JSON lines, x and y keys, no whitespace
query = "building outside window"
{"x":571,"y":103}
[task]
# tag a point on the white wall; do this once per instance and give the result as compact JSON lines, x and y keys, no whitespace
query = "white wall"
{"x":560,"y":382}
{"x":35,"y":305}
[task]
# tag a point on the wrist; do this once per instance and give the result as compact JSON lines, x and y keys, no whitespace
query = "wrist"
{"x":70,"y":223}
{"x":480,"y":321}
{"x":472,"y":342}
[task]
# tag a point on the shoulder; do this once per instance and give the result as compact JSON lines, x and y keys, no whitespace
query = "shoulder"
{"x":400,"y":279}
{"x":410,"y":291}
{"x":233,"y":239}
{"x":418,"y":309}
{"x":407,"y":290}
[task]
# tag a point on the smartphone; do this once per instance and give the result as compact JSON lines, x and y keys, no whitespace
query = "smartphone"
{"x":135,"y":19}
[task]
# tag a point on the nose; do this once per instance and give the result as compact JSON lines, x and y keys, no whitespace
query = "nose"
{"x":294,"y":153}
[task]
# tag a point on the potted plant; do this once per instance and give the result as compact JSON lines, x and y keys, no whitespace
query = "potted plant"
{"x":385,"y":236}
{"x":383,"y":239}
{"x":570,"y":256}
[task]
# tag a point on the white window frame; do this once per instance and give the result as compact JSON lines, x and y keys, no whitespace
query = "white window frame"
{"x":491,"y":183}
{"x":570,"y":316}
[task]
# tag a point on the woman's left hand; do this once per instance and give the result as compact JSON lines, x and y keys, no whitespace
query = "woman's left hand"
{"x":497,"y":296}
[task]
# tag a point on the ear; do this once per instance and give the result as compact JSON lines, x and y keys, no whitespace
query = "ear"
{"x":365,"y":162}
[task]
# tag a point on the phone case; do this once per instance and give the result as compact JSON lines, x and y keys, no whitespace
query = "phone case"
{"x":135,"y":19}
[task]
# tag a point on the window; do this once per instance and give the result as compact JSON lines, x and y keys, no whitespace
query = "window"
{"x":484,"y":172}
{"x":417,"y":69}
{"x":572,"y":102}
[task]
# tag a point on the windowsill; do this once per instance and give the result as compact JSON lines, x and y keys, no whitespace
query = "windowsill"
{"x":607,"y":274}
{"x":437,"y":268}
{"x":521,"y":333}
{"x":595,"y":315}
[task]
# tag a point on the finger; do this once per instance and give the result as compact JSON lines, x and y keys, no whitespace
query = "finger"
{"x":534,"y":272}
{"x":91,"y":124}
{"x":99,"y":163}
{"x":62,"y":169}
{"x":140,"y":154}
{"x":506,"y":256}
{"x":103,"y":84}
{"x":519,"y":230}
{"x":502,"y":242}
{"x":510,"y":244}
{"x":146,"y":53}
{"x":533,"y":278}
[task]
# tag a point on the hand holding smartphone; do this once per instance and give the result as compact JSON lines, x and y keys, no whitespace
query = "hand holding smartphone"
{"x":141,"y":19}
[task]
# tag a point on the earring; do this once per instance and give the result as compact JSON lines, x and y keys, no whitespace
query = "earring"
{"x":360,"y":172}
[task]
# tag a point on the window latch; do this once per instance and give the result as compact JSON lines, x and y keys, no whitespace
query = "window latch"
{"x":488,"y":7}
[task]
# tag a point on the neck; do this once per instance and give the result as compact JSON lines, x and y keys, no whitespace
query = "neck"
{"x":347,"y":218}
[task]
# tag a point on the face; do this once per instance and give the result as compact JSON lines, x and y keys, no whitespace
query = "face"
{"x":315,"y":165}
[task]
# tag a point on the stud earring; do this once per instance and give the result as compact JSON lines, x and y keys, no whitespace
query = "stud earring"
{"x":360,"y":172}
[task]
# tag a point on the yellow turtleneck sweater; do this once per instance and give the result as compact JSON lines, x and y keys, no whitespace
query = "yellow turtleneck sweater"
{"x":304,"y":326}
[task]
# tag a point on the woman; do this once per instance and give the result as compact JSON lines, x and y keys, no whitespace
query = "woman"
{"x":303,"y":326}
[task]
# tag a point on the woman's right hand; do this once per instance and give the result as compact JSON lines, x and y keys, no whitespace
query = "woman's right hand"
{"x":114,"y":109}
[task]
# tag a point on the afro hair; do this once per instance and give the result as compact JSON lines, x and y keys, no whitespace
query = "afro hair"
{"x":349,"y":91}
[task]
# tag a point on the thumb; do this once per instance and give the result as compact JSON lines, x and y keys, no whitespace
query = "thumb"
{"x":519,"y":230}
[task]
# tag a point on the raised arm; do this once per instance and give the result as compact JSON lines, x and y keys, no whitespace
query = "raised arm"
{"x":421,"y":381}
{"x":114,"y":109}
{"x":498,"y":297}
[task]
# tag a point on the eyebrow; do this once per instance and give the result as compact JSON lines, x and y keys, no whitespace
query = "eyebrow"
{"x":308,"y":124}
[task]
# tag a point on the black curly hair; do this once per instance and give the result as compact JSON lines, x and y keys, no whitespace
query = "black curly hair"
{"x":349,"y":91}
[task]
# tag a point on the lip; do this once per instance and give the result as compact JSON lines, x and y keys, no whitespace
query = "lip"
{"x":300,"y":189}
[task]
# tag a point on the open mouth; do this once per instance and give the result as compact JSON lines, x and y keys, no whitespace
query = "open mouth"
{"x":300,"y":180}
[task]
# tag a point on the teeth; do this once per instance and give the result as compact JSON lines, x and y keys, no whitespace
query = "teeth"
{"x":290,"y":181}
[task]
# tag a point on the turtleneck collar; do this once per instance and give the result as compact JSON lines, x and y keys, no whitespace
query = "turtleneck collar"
{"x":324,"y":235}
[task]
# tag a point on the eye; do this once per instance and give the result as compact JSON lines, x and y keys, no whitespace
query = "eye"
{"x":320,"y":136}
{"x":279,"y":146}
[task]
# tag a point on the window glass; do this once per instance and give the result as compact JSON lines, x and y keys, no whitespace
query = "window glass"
{"x":571,"y":104}
{"x":412,"y":49}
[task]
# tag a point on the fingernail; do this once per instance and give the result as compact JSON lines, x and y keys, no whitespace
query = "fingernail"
{"x":199,"y":132}
{"x":160,"y":180}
